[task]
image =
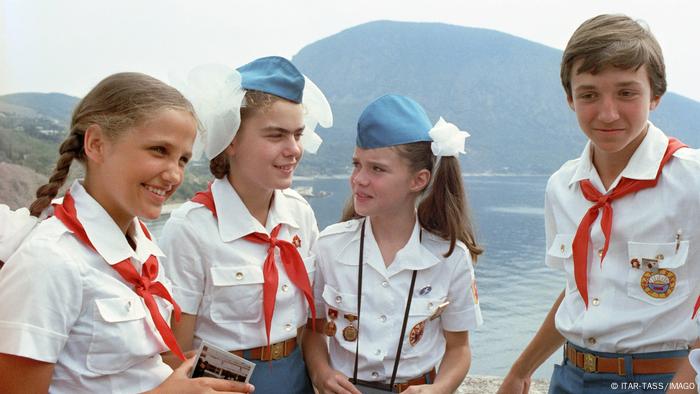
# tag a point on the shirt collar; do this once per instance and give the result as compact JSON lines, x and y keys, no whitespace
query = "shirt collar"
{"x":105,"y":235}
{"x":235,"y":221}
{"x":643,"y":165}
{"x":413,"y":256}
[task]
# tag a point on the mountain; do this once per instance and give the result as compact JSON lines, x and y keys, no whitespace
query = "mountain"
{"x":56,"y":106}
{"x":503,"y":89}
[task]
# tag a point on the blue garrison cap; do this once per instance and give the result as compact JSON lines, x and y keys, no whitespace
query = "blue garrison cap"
{"x":275,"y":75}
{"x":392,"y":120}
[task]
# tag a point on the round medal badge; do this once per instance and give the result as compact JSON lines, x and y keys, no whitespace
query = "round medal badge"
{"x":658,"y":284}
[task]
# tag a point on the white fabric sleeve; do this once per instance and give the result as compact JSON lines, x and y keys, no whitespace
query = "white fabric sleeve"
{"x":550,"y":229}
{"x":14,"y":228}
{"x":313,"y":250}
{"x":42,"y":293}
{"x":463,"y":313}
{"x":184,"y":263}
{"x":319,"y":279}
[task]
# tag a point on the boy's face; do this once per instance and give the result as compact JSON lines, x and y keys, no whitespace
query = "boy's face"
{"x":612,"y":108}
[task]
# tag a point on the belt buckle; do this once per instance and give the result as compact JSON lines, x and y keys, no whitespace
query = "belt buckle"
{"x":589,"y":362}
{"x":277,"y":350}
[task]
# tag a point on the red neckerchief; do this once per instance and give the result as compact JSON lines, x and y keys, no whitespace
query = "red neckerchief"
{"x":291,"y":260}
{"x":144,"y":285}
{"x":604,"y":201}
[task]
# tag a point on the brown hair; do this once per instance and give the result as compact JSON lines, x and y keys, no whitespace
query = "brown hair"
{"x":118,"y":103}
{"x":614,"y":41}
{"x":255,"y":101}
{"x":444,"y":211}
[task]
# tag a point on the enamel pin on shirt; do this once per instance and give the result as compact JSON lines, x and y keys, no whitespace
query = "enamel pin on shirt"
{"x":330,"y":328}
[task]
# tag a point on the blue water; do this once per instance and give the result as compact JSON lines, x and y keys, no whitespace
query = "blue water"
{"x":516,"y":289}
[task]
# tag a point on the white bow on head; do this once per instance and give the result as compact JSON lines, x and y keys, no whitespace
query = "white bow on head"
{"x":217,"y":96}
{"x":448,"y":139}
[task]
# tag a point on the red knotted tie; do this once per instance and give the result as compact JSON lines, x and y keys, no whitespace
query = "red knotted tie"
{"x":291,"y":260}
{"x":144,"y":284}
{"x":604,"y":201}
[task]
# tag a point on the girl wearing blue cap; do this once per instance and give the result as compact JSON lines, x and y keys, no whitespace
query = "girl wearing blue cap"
{"x":397,"y":283}
{"x":242,"y":251}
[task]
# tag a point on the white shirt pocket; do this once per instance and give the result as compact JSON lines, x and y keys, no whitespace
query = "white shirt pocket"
{"x":341,"y":308}
{"x":423,"y":324}
{"x":121,"y":335}
{"x":657,"y":273}
{"x":237,"y":294}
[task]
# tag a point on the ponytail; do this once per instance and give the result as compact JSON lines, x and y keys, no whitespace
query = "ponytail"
{"x":444,"y":210}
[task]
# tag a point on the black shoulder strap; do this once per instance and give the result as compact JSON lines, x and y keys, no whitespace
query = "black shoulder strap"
{"x":359,"y":304}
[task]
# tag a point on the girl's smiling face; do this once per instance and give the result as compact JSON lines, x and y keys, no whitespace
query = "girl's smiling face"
{"x":133,"y":174}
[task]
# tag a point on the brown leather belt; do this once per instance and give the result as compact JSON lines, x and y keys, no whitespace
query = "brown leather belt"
{"x":640,"y":366}
{"x":277,"y":351}
{"x":426,"y":378}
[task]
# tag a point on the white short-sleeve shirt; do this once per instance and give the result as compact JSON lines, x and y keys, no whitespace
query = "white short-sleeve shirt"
{"x":384,"y":296}
{"x":63,"y":303}
{"x":632,"y":308}
{"x":218,"y":276}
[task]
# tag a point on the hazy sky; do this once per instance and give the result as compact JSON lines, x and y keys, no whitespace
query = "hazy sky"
{"x":69,"y":45}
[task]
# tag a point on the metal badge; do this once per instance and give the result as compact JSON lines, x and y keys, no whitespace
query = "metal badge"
{"x":330,"y":328}
{"x":350,"y":333}
{"x":425,"y":290}
{"x":416,"y":333}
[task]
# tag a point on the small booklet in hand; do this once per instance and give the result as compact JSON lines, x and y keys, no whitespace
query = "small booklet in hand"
{"x":213,"y":362}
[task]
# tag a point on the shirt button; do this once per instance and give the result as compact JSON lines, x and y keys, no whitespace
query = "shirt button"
{"x":430,"y":305}
{"x":382,"y":318}
{"x":385,"y":284}
{"x":591,"y":341}
{"x":288,"y":327}
{"x":375,"y":374}
{"x":659,"y":257}
{"x":239,"y":275}
{"x":562,"y":248}
{"x":285,"y":287}
{"x":596,"y":302}
{"x":600,"y":252}
{"x":378,"y":352}
{"x":338,"y":299}
{"x":348,"y":224}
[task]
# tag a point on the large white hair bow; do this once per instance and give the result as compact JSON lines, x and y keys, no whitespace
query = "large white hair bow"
{"x":448,"y":139}
{"x":217,"y":96}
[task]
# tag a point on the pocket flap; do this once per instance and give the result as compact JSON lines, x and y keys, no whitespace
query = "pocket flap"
{"x":561,"y":246}
{"x":665,"y":253}
{"x":426,"y":306}
{"x":234,"y":276}
{"x":337,"y":300}
{"x":115,"y":310}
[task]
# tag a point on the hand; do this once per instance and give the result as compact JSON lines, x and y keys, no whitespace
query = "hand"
{"x":422,"y":389}
{"x":334,"y":382}
{"x":514,"y":385}
{"x":179,"y":382}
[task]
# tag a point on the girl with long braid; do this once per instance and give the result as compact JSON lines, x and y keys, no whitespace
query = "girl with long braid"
{"x":85,"y":303}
